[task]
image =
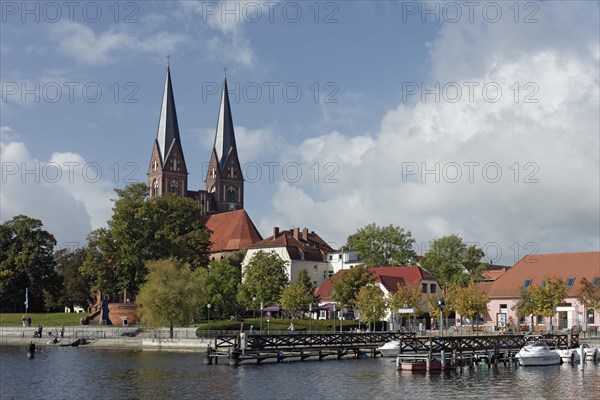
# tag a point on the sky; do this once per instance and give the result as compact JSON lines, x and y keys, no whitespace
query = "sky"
{"x":479,"y":119}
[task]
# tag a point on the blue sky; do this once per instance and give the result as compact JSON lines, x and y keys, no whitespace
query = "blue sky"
{"x":480,"y":119}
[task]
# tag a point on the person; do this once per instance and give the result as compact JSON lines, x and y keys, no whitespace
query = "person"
{"x":24,"y":321}
{"x":62,"y":331}
{"x":242,"y":327}
{"x":291,"y":327}
{"x":251,"y":329}
{"x":28,"y":321}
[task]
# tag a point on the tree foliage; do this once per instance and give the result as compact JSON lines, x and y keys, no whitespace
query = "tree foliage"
{"x":408,"y":296}
{"x":589,"y":295}
{"x":76,"y":287}
{"x":548,"y":296}
{"x":222,"y":280}
{"x":452,"y":261}
{"x":525,"y":305}
{"x":263,"y":279}
{"x":371,"y":304}
{"x":383,"y":246}
{"x":346,"y":284}
{"x":26,"y":261}
{"x":141,"y":230}
{"x":171,"y":296}
{"x":469,"y":301}
{"x":431,"y":302}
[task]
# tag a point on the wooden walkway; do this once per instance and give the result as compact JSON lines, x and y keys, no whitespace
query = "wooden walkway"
{"x":241,"y":347}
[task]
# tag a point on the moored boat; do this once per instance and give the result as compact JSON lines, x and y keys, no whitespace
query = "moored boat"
{"x":390,"y":349}
{"x":420,"y":365}
{"x":537,"y":354}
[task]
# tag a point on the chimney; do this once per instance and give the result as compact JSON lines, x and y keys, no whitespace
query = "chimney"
{"x":296,"y":232}
{"x":275,"y":232}
{"x":305,"y":234}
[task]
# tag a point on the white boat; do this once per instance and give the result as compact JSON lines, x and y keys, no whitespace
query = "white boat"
{"x":537,"y":353}
{"x":574,"y":355}
{"x":390,"y":349}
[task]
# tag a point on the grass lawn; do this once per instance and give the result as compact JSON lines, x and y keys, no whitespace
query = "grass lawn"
{"x":45,"y":319}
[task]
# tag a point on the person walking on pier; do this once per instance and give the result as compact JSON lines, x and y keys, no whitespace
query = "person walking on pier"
{"x":291,"y":327}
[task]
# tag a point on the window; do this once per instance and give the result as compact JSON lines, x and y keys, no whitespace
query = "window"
{"x":570,"y":282}
{"x":543,"y":283}
{"x":590,"y":316}
{"x":432,"y":288}
{"x":596,"y":281}
{"x":424,"y":288}
{"x":314,"y":268}
{"x":154,"y":188}
{"x":174,"y":188}
{"x":522,"y":321}
{"x":155,"y":166}
{"x":527,"y":283}
{"x":231,"y":194}
{"x":539,"y":320}
{"x":503,"y":308}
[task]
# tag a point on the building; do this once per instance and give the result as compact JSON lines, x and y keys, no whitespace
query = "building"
{"x":532,"y":270}
{"x":387,"y":280}
{"x":224,"y":191}
{"x":300,"y":249}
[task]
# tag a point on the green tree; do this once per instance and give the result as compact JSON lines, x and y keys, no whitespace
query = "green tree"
{"x":407,"y":296}
{"x":141,"y":230}
{"x":222,"y":280}
{"x":171,"y":296}
{"x":589,"y":295}
{"x":303,"y":279}
{"x":469,"y":301}
{"x":431,"y":302}
{"x":371,"y":304}
{"x":450,"y":260}
{"x":525,"y":305}
{"x":346,"y":284}
{"x":548,"y":296}
{"x":384,"y":246}
{"x":263,"y":279}
{"x":295,"y":297}
{"x":77,"y":288}
{"x":26,"y":261}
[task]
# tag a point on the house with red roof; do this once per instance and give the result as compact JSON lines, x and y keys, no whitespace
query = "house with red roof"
{"x":532,"y":270}
{"x":387,"y":280}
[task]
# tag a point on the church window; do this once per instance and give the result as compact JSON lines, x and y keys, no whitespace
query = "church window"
{"x":213,"y":173}
{"x":174,"y":188}
{"x":155,"y":166}
{"x":231,"y":194}
{"x":232,"y":173}
{"x":154,"y":188}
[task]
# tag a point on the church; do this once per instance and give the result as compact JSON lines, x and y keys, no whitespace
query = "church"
{"x":222,"y":200}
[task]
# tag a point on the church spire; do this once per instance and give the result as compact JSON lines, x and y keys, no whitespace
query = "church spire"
{"x":224,"y":137}
{"x":168,"y":128}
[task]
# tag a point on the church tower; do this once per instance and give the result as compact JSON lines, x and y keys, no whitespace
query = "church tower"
{"x":224,"y":180}
{"x":167,"y":172}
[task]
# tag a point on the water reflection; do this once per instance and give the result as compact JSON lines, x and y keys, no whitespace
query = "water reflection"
{"x":73,"y":373}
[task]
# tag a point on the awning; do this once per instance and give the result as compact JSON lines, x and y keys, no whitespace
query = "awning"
{"x":273,"y":308}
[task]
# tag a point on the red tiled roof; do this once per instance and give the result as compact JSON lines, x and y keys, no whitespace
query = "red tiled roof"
{"x":539,"y":266}
{"x":493,"y":274}
{"x":300,"y":244}
{"x":233,"y":230}
{"x":389,"y":277}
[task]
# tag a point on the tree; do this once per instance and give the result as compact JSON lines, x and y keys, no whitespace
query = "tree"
{"x":172,"y":295}
{"x":589,"y":295}
{"x":26,"y":261}
{"x":222,"y":280}
{"x":346,"y":284}
{"x":371,"y":304}
{"x":303,"y":279}
{"x":548,"y":296}
{"x":450,"y":260}
{"x":295,"y":297}
{"x":263,"y":279}
{"x":525,"y":305}
{"x":468,"y":301}
{"x":384,"y":246}
{"x":141,"y":230}
{"x":77,"y":288}
{"x":431,"y":302}
{"x":408,"y":296}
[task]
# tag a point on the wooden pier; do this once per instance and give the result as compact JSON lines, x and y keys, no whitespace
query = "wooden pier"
{"x":236,"y":348}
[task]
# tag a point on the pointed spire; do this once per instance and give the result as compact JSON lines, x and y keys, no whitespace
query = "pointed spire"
{"x":168,"y":128}
{"x":225,"y":136}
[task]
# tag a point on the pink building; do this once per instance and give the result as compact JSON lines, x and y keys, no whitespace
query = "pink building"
{"x":532,"y":271}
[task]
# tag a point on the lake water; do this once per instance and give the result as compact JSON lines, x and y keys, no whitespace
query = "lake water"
{"x":73,"y":373}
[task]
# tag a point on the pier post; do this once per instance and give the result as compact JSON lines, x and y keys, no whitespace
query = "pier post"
{"x":428,"y":362}
{"x":207,"y":356}
{"x":581,"y":358}
{"x":234,"y":357}
{"x":443,"y":357}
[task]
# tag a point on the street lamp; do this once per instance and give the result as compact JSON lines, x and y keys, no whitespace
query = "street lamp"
{"x":261,"y":315}
{"x":254,"y":307}
{"x":208,"y":308}
{"x":441,"y":305}
{"x":373,"y":318}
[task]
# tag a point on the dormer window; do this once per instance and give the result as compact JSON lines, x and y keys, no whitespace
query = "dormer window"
{"x":527,"y":283}
{"x":570,"y":282}
{"x":596,"y":281}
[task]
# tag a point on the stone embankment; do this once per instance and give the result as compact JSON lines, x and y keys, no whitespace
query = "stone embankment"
{"x":107,"y":337}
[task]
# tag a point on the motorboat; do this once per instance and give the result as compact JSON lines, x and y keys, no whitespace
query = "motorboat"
{"x":536,"y":354}
{"x":421,"y":365}
{"x":574,"y":355}
{"x":390,"y":349}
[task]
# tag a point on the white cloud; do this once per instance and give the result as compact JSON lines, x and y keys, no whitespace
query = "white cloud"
{"x":547,"y":152}
{"x":67,"y":193}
